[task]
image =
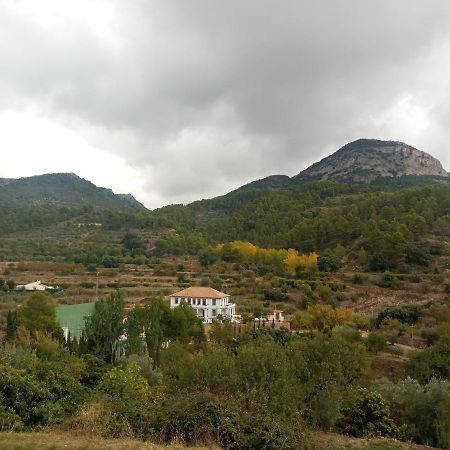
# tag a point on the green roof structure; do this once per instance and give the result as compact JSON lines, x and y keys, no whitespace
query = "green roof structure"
{"x":72,"y":318}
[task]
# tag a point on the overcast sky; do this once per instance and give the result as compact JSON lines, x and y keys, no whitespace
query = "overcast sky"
{"x":174,"y":101}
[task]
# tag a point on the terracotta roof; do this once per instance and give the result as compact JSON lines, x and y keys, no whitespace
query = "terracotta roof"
{"x":200,"y":292}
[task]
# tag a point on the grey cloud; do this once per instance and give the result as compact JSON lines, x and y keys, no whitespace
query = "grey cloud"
{"x":221,"y":93}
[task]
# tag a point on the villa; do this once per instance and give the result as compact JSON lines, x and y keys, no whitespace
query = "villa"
{"x":208,"y":303}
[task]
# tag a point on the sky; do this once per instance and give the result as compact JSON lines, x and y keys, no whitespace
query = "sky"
{"x":174,"y":101}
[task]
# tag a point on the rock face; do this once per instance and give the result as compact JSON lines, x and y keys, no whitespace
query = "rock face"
{"x":364,"y":160}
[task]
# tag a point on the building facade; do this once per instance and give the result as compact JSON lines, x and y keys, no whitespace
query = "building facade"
{"x":208,"y":303}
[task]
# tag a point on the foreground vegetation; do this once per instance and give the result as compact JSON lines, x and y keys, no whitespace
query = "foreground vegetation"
{"x":265,"y":388}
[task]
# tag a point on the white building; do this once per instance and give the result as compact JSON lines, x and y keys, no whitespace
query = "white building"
{"x":36,"y":286}
{"x":277,"y":316}
{"x":207,"y":302}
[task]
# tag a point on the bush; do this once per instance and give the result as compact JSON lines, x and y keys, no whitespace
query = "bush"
{"x":420,"y":412}
{"x":431,"y":363}
{"x":390,"y":281}
{"x":9,"y":420}
{"x":404,"y":314}
{"x":379,"y":263}
{"x":329,"y":263}
{"x":430,"y":335}
{"x":196,"y":418}
{"x":376,"y":342}
{"x":94,"y":371}
{"x":274,"y":295}
{"x":110,"y":262}
{"x":98,"y":419}
{"x":418,"y":254}
{"x":415,"y":278}
{"x":357,"y":279}
{"x":368,"y":416}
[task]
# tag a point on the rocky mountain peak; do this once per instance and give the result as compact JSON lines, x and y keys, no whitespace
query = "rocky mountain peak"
{"x":367,"y":159}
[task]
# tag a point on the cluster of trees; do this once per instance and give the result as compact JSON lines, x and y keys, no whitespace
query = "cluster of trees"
{"x":281,"y":261}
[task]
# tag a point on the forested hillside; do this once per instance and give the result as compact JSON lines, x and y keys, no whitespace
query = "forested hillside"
{"x":392,"y":223}
{"x":64,"y":189}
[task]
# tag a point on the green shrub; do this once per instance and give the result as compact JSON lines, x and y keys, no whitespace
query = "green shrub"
{"x":357,"y":279}
{"x":431,"y":363}
{"x":415,"y":278}
{"x":390,"y":281}
{"x":380,"y":263}
{"x":274,"y":295}
{"x":420,"y":412}
{"x":418,"y":254}
{"x":404,"y":314}
{"x":9,"y":420}
{"x":329,"y":263}
{"x":376,"y":342}
{"x":431,"y":335}
{"x":368,"y":416}
{"x":200,"y":417}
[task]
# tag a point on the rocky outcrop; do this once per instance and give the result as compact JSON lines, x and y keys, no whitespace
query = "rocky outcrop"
{"x":364,"y":160}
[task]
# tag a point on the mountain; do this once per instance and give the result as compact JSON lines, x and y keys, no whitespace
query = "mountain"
{"x":64,"y":189}
{"x":365,"y":160}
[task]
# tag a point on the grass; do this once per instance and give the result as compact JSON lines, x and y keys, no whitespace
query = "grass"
{"x":329,"y":441}
{"x":69,"y":441}
{"x":72,"y":441}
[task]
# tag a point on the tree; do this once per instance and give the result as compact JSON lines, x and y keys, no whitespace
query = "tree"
{"x":132,"y":243}
{"x":322,"y":318}
{"x":38,"y":315}
{"x":133,"y":330}
{"x":12,"y":323}
{"x":185,"y":326}
{"x":105,"y":326}
{"x":207,"y":256}
{"x":155,"y":319}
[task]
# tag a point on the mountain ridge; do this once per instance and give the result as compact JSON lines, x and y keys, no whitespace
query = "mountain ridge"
{"x":361,"y":162}
{"x":64,"y":189}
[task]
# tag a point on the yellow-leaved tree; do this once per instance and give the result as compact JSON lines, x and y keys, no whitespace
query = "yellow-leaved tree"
{"x":322,"y":318}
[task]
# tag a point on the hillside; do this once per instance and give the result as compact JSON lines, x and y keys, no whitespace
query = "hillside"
{"x":64,"y":189}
